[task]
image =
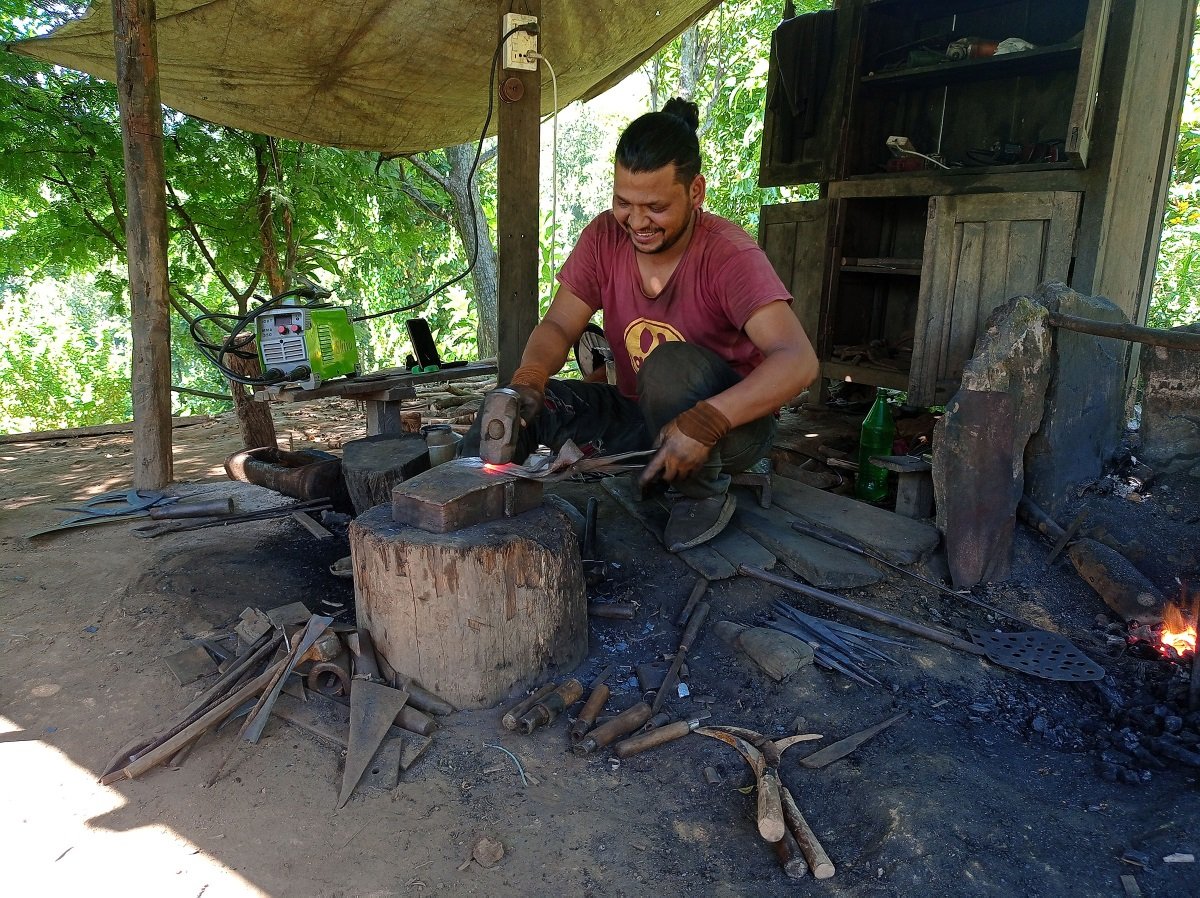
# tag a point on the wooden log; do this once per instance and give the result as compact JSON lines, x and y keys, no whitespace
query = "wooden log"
{"x":374,"y":465}
{"x":1150,"y":336}
{"x":93,"y":430}
{"x":135,"y":46}
{"x":476,"y":614}
{"x":1114,"y":578}
{"x":517,"y":223}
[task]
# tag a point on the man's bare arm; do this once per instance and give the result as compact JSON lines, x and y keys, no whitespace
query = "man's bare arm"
{"x":789,"y":365}
{"x":551,"y":341}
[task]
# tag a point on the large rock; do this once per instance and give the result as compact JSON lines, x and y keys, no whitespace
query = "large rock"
{"x":1171,"y":408}
{"x":1084,"y":416}
{"x":979,"y":445}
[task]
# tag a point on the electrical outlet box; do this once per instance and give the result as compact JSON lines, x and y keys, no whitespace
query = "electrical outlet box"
{"x":517,"y":48}
{"x":900,"y":145}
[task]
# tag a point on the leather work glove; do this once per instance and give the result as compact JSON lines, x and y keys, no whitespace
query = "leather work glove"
{"x":685,"y":443}
{"x":529,"y":383}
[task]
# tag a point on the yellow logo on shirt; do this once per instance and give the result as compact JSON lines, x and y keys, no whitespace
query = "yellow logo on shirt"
{"x":643,"y":335}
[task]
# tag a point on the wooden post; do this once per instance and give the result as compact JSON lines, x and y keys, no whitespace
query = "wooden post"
{"x":145,"y":239}
{"x":518,"y":225}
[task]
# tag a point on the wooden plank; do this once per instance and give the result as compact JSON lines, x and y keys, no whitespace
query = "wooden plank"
{"x":704,"y":560}
{"x":963,"y":314}
{"x":737,"y":546}
{"x":386,"y":388}
{"x":94,"y":430}
{"x":518,"y":228}
{"x":818,"y":563}
{"x":134,"y":39}
{"x":1083,"y":105}
{"x":899,"y":539}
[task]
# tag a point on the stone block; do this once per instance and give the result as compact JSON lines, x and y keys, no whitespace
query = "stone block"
{"x":1171,"y":408}
{"x":1084,"y":416}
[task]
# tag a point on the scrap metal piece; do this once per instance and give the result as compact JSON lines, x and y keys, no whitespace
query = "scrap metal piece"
{"x":1040,"y":654}
{"x":373,"y":708}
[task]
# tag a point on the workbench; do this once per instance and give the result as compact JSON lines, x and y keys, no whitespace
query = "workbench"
{"x":382,"y":392}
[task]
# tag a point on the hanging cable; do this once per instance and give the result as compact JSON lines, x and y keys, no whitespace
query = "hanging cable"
{"x":553,"y":170}
{"x":532,"y":29}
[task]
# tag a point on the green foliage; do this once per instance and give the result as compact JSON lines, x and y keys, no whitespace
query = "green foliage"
{"x":1176,"y":295}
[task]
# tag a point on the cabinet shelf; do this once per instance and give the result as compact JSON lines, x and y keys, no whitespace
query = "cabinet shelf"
{"x":1007,"y":65}
{"x":866,"y":373}
{"x":885,"y":266}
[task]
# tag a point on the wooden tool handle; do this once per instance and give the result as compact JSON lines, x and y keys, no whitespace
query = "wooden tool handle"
{"x":771,"y":825}
{"x":818,"y":861}
{"x":589,"y":712}
{"x":514,"y":714}
{"x":206,"y":509}
{"x":652,"y":738}
{"x":625,"y":722}
{"x":790,"y":858}
{"x":695,"y":622}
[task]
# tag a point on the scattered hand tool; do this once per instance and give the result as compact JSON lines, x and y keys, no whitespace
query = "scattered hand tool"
{"x":252,"y":729}
{"x":593,"y":706}
{"x":838,"y":750}
{"x":689,"y":606}
{"x":1067,"y":536}
{"x":658,"y":736}
{"x":809,"y":529}
{"x":763,"y":757}
{"x":546,"y":711}
{"x":124,"y":504}
{"x":623,"y":724}
{"x":148,"y":531}
{"x":514,"y":714}
{"x":611,"y":610}
{"x":818,"y":861}
{"x":685,"y":644}
{"x":1040,"y":654}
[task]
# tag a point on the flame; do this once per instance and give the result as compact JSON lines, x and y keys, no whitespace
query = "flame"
{"x":1176,"y":631}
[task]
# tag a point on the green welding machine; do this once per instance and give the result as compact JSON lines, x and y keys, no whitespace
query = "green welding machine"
{"x":307,"y":345}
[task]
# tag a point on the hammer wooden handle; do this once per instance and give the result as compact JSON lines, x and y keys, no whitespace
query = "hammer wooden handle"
{"x":771,"y":825}
{"x":818,"y":861}
{"x":652,"y":739}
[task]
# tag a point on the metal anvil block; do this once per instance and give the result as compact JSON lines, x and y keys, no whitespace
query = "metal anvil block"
{"x":461,"y":493}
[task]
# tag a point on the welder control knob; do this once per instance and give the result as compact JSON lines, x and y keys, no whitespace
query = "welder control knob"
{"x":295,"y":328}
{"x":282,"y":329}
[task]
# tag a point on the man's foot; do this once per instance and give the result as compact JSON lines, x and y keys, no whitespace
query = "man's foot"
{"x":696,"y":521}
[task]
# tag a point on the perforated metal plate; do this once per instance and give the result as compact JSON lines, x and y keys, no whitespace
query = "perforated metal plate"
{"x":1039,"y":654}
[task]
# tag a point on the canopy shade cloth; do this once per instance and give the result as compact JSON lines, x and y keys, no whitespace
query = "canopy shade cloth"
{"x":397,"y":76}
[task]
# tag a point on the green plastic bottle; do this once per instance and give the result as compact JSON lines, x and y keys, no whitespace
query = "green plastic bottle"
{"x":878,"y":432}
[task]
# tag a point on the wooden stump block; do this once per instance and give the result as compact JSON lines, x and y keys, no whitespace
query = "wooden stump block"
{"x":373,"y":465}
{"x":477,"y":613}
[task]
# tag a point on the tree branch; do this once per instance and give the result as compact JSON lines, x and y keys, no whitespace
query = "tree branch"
{"x":430,"y":172}
{"x":87,"y":213}
{"x":203,"y":247}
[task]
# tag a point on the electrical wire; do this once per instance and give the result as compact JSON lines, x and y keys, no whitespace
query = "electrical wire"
{"x":532,"y":29}
{"x":553,"y":170}
{"x":936,"y":162}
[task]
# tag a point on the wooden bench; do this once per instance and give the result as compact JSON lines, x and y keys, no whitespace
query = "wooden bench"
{"x":382,"y":392}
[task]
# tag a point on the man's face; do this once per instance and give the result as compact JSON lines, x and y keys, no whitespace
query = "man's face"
{"x":654,"y":208}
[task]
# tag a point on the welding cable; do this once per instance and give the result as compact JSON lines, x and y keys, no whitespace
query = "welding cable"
{"x":532,"y":29}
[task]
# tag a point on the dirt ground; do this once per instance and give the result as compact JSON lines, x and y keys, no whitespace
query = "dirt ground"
{"x":989,"y":787}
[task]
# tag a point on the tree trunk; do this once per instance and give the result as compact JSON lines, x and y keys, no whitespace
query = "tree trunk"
{"x":266,"y":216}
{"x":254,"y":418}
{"x":483,"y":275}
{"x":689,"y":63}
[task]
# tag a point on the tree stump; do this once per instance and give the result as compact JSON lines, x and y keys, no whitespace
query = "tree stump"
{"x":474,"y":614}
{"x":373,"y":465}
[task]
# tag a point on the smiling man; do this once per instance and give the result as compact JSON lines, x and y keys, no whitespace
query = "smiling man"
{"x":705,"y":344}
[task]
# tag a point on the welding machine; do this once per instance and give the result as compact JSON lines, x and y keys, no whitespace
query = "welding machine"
{"x":307,"y":345}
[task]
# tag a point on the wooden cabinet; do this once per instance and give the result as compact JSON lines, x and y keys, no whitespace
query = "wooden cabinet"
{"x":949,"y":184}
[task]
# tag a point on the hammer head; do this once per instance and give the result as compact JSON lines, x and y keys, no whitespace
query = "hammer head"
{"x":500,"y":422}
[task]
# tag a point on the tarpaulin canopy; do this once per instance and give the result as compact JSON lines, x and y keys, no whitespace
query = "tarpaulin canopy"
{"x":396,"y":76}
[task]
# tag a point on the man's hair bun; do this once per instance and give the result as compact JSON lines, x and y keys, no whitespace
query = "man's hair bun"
{"x":684,"y":109}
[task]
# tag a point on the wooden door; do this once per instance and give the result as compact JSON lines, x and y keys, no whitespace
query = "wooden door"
{"x":981,"y":250}
{"x":795,"y":238}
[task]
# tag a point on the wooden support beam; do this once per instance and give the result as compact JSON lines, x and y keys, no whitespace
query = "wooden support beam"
{"x":518,"y":224}
{"x":136,"y":51}
{"x":1151,"y":336}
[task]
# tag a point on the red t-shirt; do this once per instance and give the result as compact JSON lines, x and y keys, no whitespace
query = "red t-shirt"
{"x":721,"y":280}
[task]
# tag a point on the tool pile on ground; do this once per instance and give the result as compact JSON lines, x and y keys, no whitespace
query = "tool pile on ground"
{"x":323,"y":678}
